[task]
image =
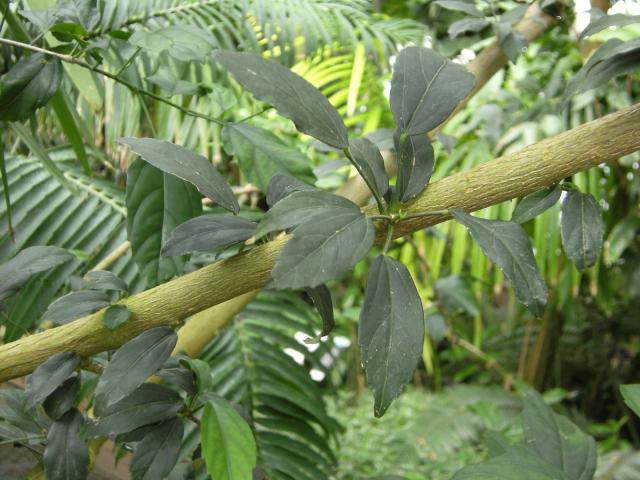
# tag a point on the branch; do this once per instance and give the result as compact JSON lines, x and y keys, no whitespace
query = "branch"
{"x":531,"y":169}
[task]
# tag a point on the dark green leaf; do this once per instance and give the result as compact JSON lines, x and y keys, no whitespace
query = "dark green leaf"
{"x":382,"y":138}
{"x":456,"y":295}
{"x":321,"y":297}
{"x":557,"y":440}
{"x":261,"y":155}
{"x":49,"y":376}
{"x":509,"y":247}
{"x":282,"y":185}
{"x":416,"y":160}
{"x":75,"y":305}
{"x":62,"y":399}
{"x":178,"y":375}
{"x":150,"y":403}
{"x":466,"y":6}
{"x":370,"y":164}
{"x":167,"y":80}
{"x":467,"y":25}
{"x":184,"y":164}
{"x":391,"y":330}
{"x":582,"y":228}
{"x":155,"y":456}
{"x":533,"y":205}
{"x":156,"y":204}
{"x":606,"y":21}
{"x":436,"y":327}
{"x":66,"y":456}
{"x":512,"y":42}
{"x":201,"y":370}
{"x":303,"y":207}
{"x":228,"y":446}
{"x":323,"y":249}
{"x":187,"y":43}
{"x":290,"y":94}
{"x":17,"y":271}
{"x":104,"y":280}
{"x":207,"y":232}
{"x":115,"y":315}
{"x":132,"y":364}
{"x":631,"y":395}
{"x":426,"y":87}
{"x":28,"y":86}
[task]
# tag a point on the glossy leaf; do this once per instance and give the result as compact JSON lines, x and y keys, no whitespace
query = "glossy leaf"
{"x":17,"y":271}
{"x":509,"y":247}
{"x":321,"y":297}
{"x":66,"y":456}
{"x":261,"y":155}
{"x":132,"y":364}
{"x":533,"y":205}
{"x":456,"y":295}
{"x":582,"y":229}
{"x":283,"y":185}
{"x":157,"y":453}
{"x":207,"y":232}
{"x":303,"y":207}
{"x":370,"y":164}
{"x":186,"y":165}
{"x":290,"y":94}
{"x":62,"y":399}
{"x":49,"y":376}
{"x":115,"y":315}
{"x":557,"y":440}
{"x":228,"y":446}
{"x":324,"y":249}
{"x":29,"y":85}
{"x":631,"y":395}
{"x":104,"y":280}
{"x":391,"y":331}
{"x":416,"y":161}
{"x":426,"y":87}
{"x":75,"y":305}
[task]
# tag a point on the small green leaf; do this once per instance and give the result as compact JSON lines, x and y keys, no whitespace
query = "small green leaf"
{"x":533,"y":205}
{"x":115,"y":315}
{"x":228,"y":446}
{"x":28,"y":86}
{"x":290,"y":94}
{"x":207,"y":232}
{"x":186,"y":165}
{"x":282,"y":185}
{"x":201,"y":370}
{"x":75,"y":305}
{"x":456,"y":295}
{"x":261,"y":155}
{"x":606,"y":21}
{"x":509,"y":247}
{"x":466,"y":6}
{"x":370,"y":164}
{"x":631,"y":395}
{"x":104,"y":280}
{"x":66,"y":456}
{"x":157,"y":453}
{"x":323,"y":249}
{"x":49,"y":376}
{"x":17,"y":271}
{"x":582,"y":229}
{"x":426,"y":87}
{"x":391,"y":330}
{"x":416,"y":161}
{"x":467,"y":25}
{"x":132,"y":364}
{"x":62,"y":399}
{"x":321,"y":297}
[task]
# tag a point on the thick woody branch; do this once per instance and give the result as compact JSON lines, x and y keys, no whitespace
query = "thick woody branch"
{"x":535,"y":167}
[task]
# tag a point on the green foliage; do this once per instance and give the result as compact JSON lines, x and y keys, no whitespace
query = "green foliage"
{"x":582,"y":228}
{"x":66,"y":454}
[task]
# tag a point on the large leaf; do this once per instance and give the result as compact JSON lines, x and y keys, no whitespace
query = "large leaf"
{"x":157,"y":203}
{"x":75,"y":305}
{"x":28,"y":86}
{"x":415,"y":162}
{"x":66,"y":456}
{"x":631,"y":395}
{"x":17,"y":271}
{"x":49,"y":376}
{"x":391,"y":331}
{"x":533,"y":205}
{"x":261,"y":155}
{"x":157,"y":453}
{"x":133,"y":363}
{"x":323,"y":249}
{"x":509,"y":247}
{"x":228,"y":446}
{"x":370,"y":164}
{"x":290,"y":94}
{"x":426,"y":87}
{"x":557,"y":440}
{"x":582,"y":229}
{"x":207,"y":232}
{"x":189,"y":166}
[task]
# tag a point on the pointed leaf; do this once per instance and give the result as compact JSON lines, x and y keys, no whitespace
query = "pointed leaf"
{"x":321,"y":297}
{"x":290,"y":94}
{"x":207,"y":232}
{"x":132,"y":364}
{"x":370,"y":164}
{"x":66,"y":456}
{"x":582,"y":229}
{"x":49,"y":376}
{"x":533,"y":205}
{"x":282,"y":185}
{"x":104,"y":280}
{"x":391,"y":331}
{"x":75,"y":305}
{"x":426,"y":87}
{"x":323,"y":249}
{"x":416,"y":161}
{"x":184,"y":164}
{"x":509,"y":247}
{"x":115,"y":315}
{"x":606,"y":21}
{"x":156,"y":455}
{"x":62,"y":399}
{"x":228,"y":446}
{"x":201,"y":370}
{"x":631,"y":395}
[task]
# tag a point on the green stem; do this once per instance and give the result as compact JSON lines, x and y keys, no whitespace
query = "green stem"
{"x":249,"y":117}
{"x":5,"y":187}
{"x":376,"y":195}
{"x":386,"y":218}
{"x":389,"y":239}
